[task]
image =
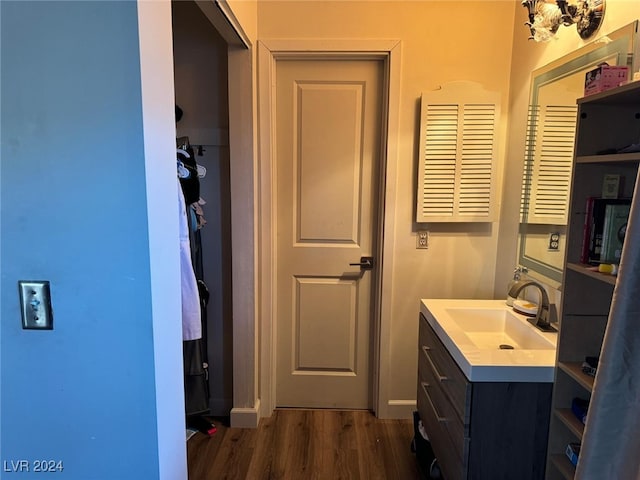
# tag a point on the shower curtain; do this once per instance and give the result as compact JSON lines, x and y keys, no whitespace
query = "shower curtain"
{"x":611,"y":441}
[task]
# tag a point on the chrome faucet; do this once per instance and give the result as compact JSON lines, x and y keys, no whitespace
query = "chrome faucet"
{"x":546,"y":311}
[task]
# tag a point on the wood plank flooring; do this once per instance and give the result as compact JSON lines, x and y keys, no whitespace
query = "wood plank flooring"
{"x":307,"y":444}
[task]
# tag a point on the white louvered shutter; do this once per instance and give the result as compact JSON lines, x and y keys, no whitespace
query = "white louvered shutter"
{"x":458,"y":154}
{"x":548,"y":163}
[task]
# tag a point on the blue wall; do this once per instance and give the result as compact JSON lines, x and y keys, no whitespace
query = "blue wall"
{"x":73,"y":212}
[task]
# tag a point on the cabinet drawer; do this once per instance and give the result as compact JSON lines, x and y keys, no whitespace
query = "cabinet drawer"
{"x":440,"y":405}
{"x":450,"y":457}
{"x":449,"y":375}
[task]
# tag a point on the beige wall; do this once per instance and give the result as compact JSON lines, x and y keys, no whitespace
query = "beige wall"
{"x":246,"y":12}
{"x":485,"y":42}
{"x":528,"y":56}
{"x":441,"y":42}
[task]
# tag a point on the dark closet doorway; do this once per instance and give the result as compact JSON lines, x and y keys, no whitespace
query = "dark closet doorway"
{"x":201,"y":91}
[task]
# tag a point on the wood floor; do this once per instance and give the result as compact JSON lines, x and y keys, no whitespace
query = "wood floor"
{"x":306,"y":444}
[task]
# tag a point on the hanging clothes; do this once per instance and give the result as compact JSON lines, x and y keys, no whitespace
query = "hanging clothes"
{"x":190,"y":183}
{"x":196,"y":384}
{"x":191,"y":315}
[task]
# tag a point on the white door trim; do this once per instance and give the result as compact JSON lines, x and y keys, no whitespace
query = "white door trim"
{"x":268,"y":52}
{"x":221,"y":16}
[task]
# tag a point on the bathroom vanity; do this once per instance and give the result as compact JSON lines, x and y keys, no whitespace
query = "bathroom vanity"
{"x":485,"y":408}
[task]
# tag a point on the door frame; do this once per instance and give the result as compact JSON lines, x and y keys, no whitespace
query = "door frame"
{"x":269,"y":51}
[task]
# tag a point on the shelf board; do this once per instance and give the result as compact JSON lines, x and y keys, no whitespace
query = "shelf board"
{"x":611,"y":158}
{"x":564,"y":466}
{"x":625,"y":94}
{"x":584,"y":269}
{"x":574,"y":370}
{"x":567,"y":417}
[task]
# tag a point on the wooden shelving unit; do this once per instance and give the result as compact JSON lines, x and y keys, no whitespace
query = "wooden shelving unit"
{"x":586,"y":270}
{"x":606,"y":121}
{"x":570,"y":420}
{"x":613,"y":158}
{"x":564,"y":466}
{"x":574,"y":369}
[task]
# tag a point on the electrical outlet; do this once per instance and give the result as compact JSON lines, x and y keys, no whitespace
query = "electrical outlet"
{"x":422,"y":239}
{"x":554,"y":241}
{"x":35,"y":300}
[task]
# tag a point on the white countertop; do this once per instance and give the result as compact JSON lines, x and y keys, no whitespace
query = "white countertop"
{"x":489,"y":365}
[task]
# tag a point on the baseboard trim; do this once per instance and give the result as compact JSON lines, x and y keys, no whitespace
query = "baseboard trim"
{"x":245,"y":417}
{"x":399,"y":409}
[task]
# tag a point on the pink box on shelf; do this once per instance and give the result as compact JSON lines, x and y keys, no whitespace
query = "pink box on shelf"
{"x":605,"y":77}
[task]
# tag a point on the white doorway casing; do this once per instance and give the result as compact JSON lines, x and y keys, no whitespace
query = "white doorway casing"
{"x":156,"y":77}
{"x":268,"y":52}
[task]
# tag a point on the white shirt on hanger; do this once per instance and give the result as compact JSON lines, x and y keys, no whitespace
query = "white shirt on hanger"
{"x":191,"y":320}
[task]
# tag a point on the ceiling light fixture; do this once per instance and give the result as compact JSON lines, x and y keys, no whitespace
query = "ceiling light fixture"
{"x":546,"y":16}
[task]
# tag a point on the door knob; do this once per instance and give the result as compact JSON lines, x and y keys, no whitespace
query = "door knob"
{"x":366,"y":263}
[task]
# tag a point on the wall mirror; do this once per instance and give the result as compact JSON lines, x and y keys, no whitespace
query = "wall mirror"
{"x":549,"y":145}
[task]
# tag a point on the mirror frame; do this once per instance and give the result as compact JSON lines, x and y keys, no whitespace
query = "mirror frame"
{"x":624,"y":48}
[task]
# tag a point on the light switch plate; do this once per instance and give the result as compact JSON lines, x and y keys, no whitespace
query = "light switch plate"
{"x":35,"y":300}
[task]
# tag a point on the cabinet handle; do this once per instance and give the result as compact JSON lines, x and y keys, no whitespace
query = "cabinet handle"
{"x":440,"y":418}
{"x":441,"y":377}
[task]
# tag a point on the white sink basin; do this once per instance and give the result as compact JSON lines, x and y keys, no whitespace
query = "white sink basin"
{"x":490,"y":342}
{"x":495,"y":328}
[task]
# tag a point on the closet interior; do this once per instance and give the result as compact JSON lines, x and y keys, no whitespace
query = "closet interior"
{"x":202,"y":126}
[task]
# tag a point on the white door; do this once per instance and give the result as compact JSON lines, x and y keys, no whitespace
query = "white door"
{"x":328,"y":137}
